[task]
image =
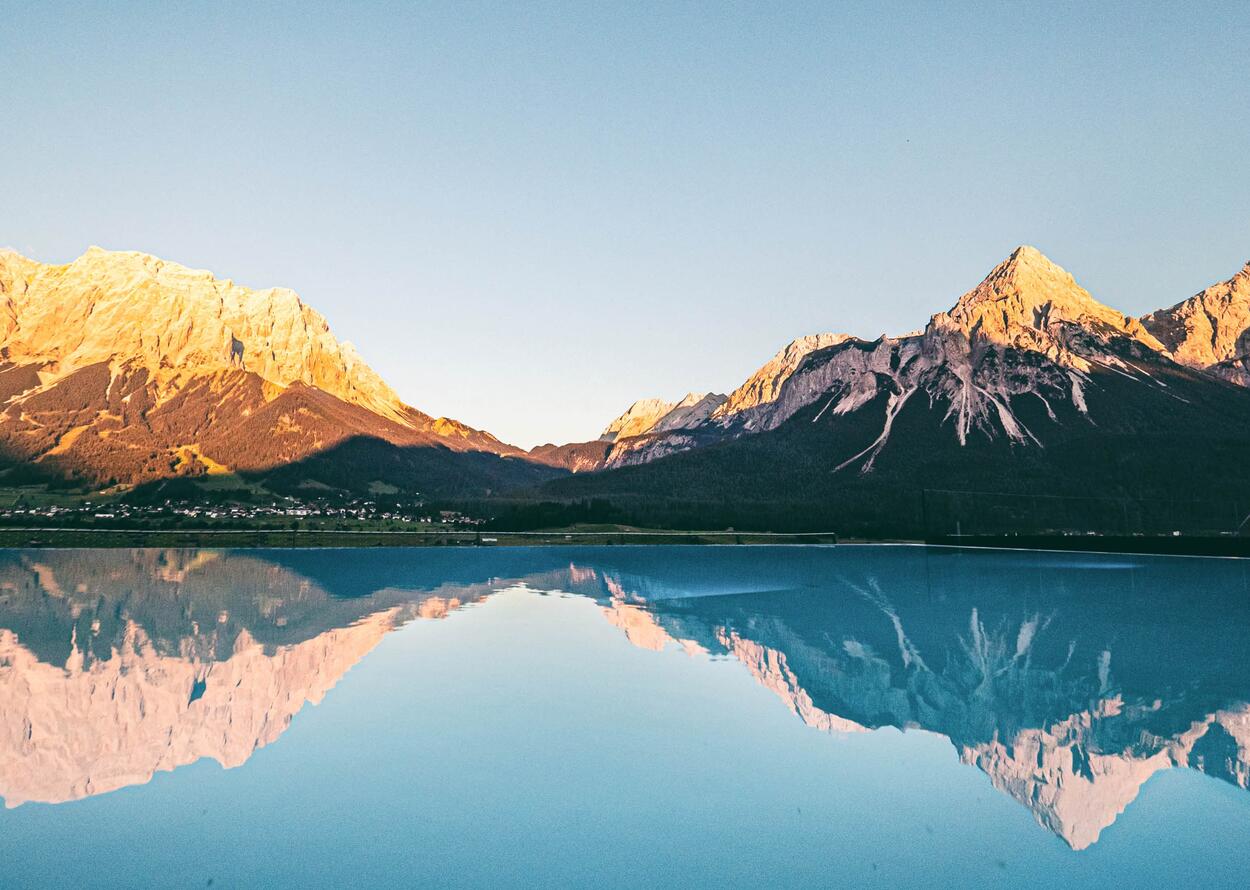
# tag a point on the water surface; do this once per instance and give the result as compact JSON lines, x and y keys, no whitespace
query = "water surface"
{"x":622,"y":716}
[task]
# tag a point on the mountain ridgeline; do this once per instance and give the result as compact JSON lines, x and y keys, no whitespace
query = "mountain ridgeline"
{"x":121,"y":371}
{"x":1026,"y":400}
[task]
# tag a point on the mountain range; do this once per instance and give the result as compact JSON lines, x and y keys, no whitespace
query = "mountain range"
{"x":1027,"y":386}
{"x":120,"y":370}
{"x":1027,"y":330}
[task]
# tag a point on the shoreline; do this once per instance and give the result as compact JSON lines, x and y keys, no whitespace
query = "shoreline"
{"x":1228,"y":547}
{"x":256,"y":538}
{"x":111,"y":538}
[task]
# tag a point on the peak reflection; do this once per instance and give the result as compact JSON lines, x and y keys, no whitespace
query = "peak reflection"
{"x":115,"y":665}
{"x":1069,"y":681}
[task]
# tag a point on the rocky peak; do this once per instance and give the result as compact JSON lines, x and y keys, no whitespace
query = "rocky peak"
{"x":658,"y":416}
{"x":638,"y":418}
{"x":764,"y":385}
{"x":691,"y":411}
{"x":1210,"y":330}
{"x":134,"y":309}
{"x":1027,"y":304}
{"x":1025,"y":301}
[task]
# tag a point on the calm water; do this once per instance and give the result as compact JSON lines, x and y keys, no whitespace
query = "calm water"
{"x":622,"y":716}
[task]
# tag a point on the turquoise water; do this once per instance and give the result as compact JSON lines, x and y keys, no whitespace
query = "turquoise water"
{"x":622,"y":716}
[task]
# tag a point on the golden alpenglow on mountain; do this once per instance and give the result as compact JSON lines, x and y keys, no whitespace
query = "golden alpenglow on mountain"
{"x":1210,"y":330}
{"x":174,"y":322}
{"x":120,"y":368}
{"x":580,"y":445}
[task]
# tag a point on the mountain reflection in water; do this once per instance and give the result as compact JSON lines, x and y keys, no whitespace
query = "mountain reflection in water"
{"x":1069,"y":682}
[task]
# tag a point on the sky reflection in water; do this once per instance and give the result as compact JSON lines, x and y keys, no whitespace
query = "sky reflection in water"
{"x":621,"y":716}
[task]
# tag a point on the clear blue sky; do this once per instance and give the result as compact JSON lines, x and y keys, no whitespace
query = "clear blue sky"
{"x":528,"y":215}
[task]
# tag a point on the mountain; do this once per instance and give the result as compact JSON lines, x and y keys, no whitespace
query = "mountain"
{"x":121,"y":368}
{"x":652,"y":428}
{"x":763,"y":387}
{"x":691,"y":411}
{"x":1027,"y":384}
{"x":1210,"y":330}
{"x":638,"y":418}
{"x":644,"y":422}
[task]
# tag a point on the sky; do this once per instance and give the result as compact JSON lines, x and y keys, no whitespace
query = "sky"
{"x":528,"y":215}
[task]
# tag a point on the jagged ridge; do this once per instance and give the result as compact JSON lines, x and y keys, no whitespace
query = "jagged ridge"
{"x":1028,"y":334}
{"x":123,"y":368}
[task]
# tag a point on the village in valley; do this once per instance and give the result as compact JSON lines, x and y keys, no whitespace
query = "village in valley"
{"x":28,"y":512}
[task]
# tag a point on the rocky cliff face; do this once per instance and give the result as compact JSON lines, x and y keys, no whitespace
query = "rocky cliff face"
{"x":121,"y":367}
{"x":647,"y":426}
{"x":691,"y":411}
{"x":1027,"y":332}
{"x":653,"y":428}
{"x":648,"y":416}
{"x":128,"y":308}
{"x":1027,"y":302}
{"x":764,"y":386}
{"x":638,"y":418}
{"x":1210,"y":330}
